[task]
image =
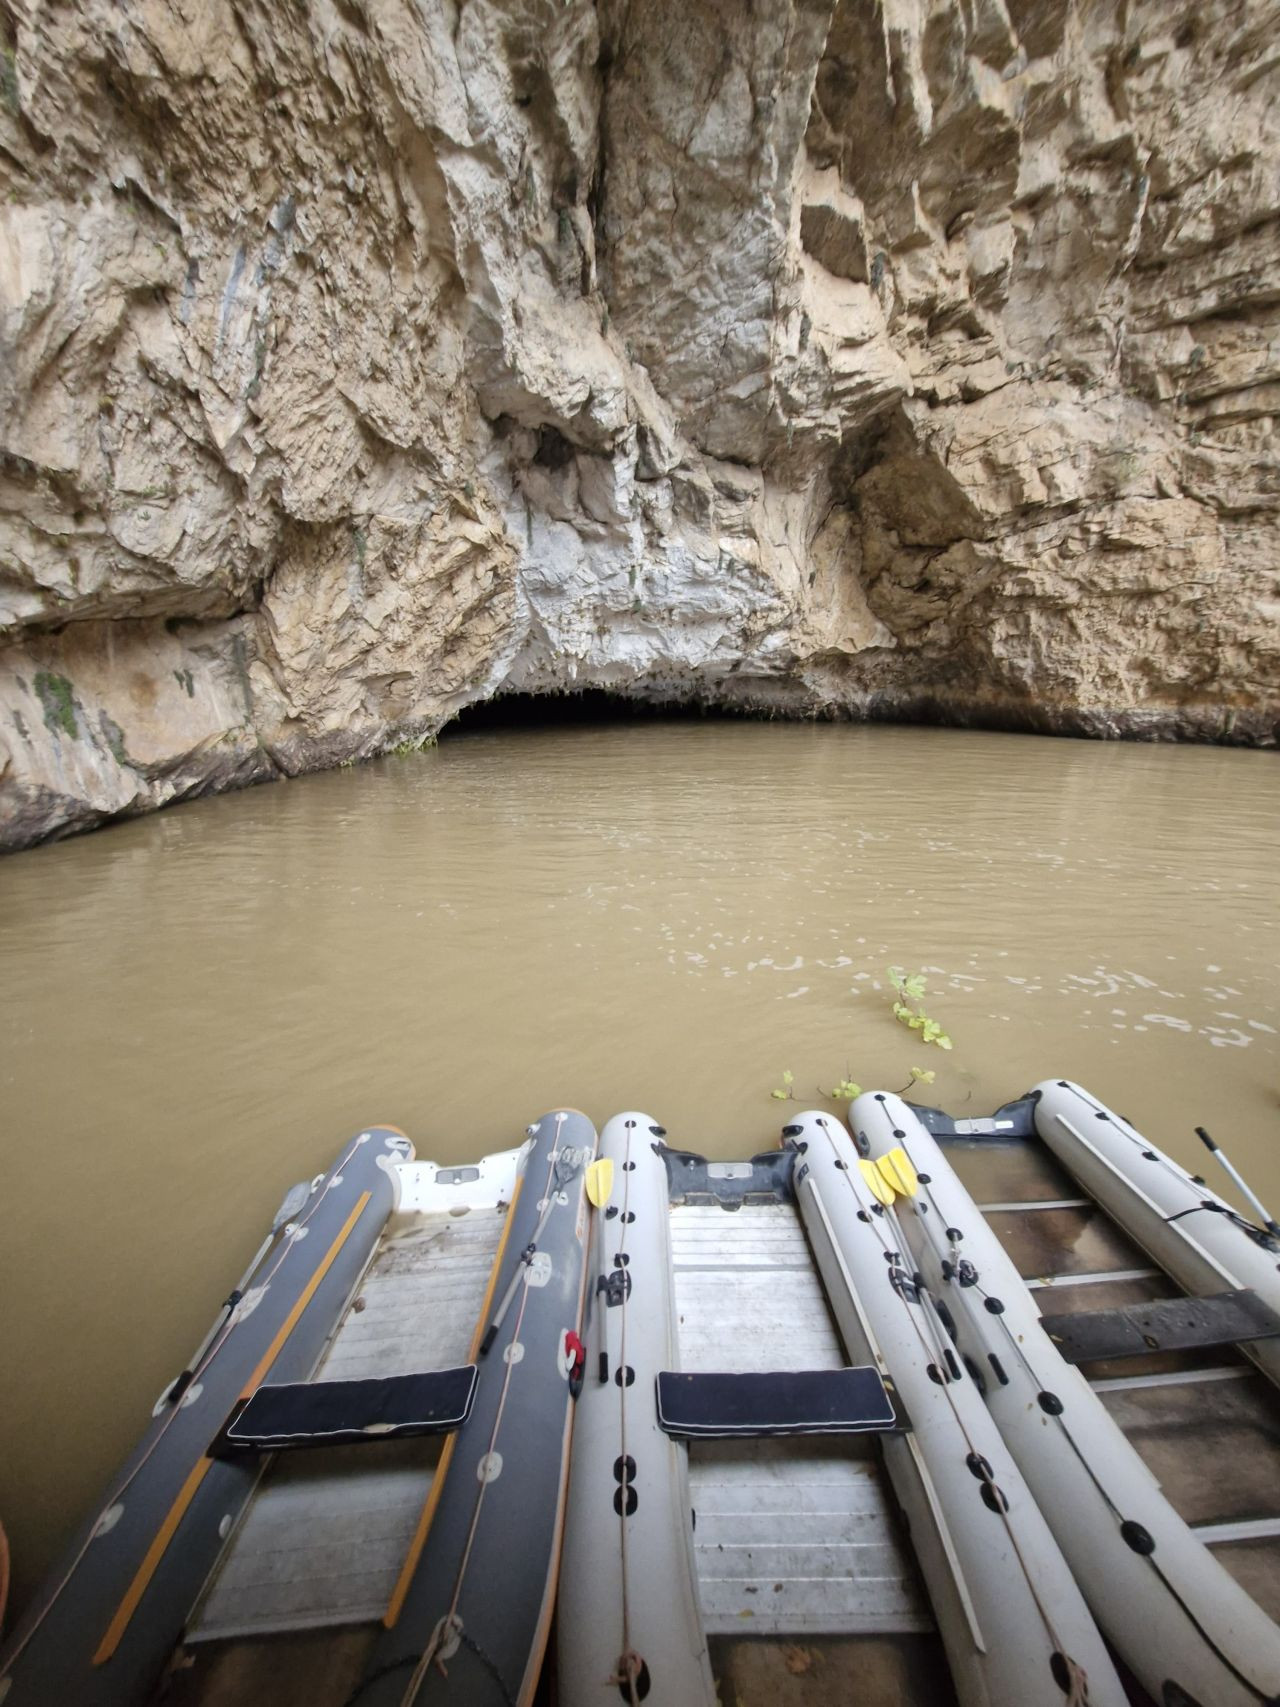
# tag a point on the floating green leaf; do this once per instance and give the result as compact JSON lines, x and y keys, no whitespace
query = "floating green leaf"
{"x":909,"y":1007}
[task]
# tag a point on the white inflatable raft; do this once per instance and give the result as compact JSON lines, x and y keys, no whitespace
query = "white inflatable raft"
{"x":1193,"y":1234}
{"x":1175,"y":1615}
{"x":1014,"y":1624}
{"x":629,"y":1623}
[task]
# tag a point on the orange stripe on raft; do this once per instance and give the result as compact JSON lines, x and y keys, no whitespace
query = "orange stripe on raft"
{"x":537,"y":1653}
{"x":147,"y":1569}
{"x":396,"y":1604}
{"x":309,"y":1291}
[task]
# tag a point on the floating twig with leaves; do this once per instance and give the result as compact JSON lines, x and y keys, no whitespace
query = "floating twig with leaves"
{"x":909,"y":1007}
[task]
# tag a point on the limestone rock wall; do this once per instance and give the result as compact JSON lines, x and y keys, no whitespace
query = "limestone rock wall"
{"x":360,"y":359}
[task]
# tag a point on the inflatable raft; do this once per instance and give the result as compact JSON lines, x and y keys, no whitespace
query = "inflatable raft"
{"x":1014,"y":1623}
{"x":103,"y":1629}
{"x":1183,"y":1625}
{"x":629,"y":1624}
{"x":365,"y":1325}
{"x":1194,"y":1235}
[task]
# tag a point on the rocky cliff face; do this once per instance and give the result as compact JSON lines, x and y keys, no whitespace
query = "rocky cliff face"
{"x":365,"y":358}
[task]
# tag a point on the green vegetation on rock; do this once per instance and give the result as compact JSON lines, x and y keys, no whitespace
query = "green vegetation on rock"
{"x":57,"y":701}
{"x":9,"y":83}
{"x":113,"y":735}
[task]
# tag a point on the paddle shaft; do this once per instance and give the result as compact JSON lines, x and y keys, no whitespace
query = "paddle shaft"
{"x":526,"y":1257}
{"x":1267,"y":1221}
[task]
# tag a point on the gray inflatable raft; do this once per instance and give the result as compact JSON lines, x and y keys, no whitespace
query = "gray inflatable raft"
{"x":103,"y":1628}
{"x":470,"y":1616}
{"x":1171,"y":1610}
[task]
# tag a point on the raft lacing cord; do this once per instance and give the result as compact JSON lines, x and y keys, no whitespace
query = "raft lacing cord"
{"x":118,"y":1493}
{"x":1256,"y":1233}
{"x":1019,"y":1352}
{"x":1077,"y":1695}
{"x":376,"y":1676}
{"x":629,"y":1662}
{"x":450,"y":1625}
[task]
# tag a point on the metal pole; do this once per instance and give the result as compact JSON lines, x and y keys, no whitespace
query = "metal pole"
{"x":1271,"y":1225}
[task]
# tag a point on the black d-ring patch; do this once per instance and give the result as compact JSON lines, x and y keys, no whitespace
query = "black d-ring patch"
{"x":632,"y":1690}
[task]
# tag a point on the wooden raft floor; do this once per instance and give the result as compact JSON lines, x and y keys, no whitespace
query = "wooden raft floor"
{"x":327,"y":1531}
{"x":792,"y":1536}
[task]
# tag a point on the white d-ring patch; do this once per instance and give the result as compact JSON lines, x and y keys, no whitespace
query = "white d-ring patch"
{"x":490,"y":1467}
{"x":539,"y":1270}
{"x":513,"y":1353}
{"x":107,"y":1522}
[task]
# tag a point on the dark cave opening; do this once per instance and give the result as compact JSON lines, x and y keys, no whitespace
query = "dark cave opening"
{"x":593,"y":707}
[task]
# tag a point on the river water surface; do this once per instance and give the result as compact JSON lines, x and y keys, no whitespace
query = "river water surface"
{"x":198,"y":1007}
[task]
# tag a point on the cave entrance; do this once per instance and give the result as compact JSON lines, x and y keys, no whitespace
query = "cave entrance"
{"x":593,"y":707}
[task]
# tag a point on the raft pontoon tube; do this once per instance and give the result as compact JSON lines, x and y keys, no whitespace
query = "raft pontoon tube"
{"x":1195,"y":1235}
{"x":1013,"y":1621}
{"x":629,"y":1623}
{"x":629,"y":1617}
{"x":1174,"y":1614}
{"x":471,"y":1614}
{"x":102,"y":1631}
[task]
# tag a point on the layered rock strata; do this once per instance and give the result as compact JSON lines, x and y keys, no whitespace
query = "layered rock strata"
{"x":361,"y":359}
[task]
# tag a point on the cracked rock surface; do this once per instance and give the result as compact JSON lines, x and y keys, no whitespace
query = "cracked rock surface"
{"x":361,"y":359}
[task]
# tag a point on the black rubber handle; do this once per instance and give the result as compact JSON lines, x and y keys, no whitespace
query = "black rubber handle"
{"x":180,"y":1386}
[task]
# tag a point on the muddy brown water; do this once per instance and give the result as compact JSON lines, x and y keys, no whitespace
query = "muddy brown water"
{"x":199,"y":1007}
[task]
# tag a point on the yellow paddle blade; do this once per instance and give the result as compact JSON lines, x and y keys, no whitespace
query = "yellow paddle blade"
{"x":878,"y":1186}
{"x":897,"y":1169}
{"x":600,"y":1182}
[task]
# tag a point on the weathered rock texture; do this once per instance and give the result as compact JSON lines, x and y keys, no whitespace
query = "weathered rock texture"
{"x":360,"y":359}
